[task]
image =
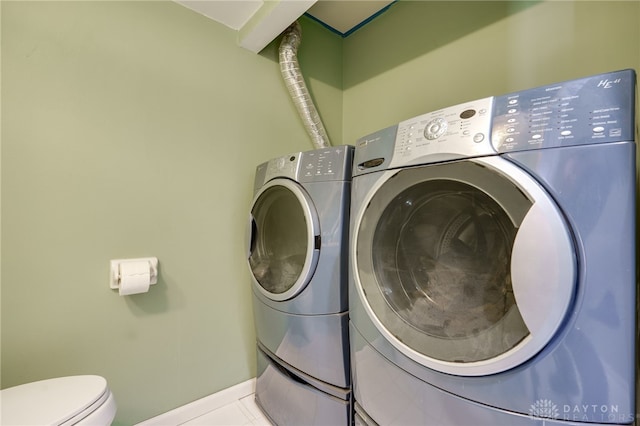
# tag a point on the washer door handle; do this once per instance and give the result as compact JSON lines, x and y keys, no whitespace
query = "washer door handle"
{"x":252,"y":231}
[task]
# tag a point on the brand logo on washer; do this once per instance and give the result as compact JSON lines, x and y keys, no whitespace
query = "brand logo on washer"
{"x":608,"y":84}
{"x":544,"y":409}
{"x":366,"y":142}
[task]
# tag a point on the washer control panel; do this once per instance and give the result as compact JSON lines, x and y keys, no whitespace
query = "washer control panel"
{"x":459,"y":131}
{"x":585,"y":111}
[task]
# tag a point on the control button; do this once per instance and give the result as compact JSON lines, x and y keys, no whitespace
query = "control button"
{"x":509,"y":139}
{"x":511,"y":129}
{"x":478,"y":137}
{"x":435,"y":128}
{"x":536,"y":136}
{"x":466,"y":133}
{"x":512,"y":111}
{"x":598,"y":129}
{"x":482,"y":111}
{"x":513,"y":101}
{"x":467,"y":113}
{"x":565,"y":132}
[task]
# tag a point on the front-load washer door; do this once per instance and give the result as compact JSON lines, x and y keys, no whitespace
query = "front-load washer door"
{"x":284,"y":241}
{"x":466,"y":267}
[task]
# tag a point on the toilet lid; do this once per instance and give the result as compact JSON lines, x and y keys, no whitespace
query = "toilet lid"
{"x":50,"y":402}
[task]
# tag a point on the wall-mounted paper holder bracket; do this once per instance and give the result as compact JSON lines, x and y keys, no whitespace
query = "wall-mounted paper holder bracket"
{"x":114,"y":275}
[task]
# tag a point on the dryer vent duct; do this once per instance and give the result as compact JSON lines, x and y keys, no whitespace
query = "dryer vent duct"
{"x":297,"y":88}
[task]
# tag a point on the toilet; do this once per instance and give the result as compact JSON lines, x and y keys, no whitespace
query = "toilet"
{"x":73,"y":400}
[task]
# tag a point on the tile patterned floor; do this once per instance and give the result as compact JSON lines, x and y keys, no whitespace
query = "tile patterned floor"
{"x":243,"y":412}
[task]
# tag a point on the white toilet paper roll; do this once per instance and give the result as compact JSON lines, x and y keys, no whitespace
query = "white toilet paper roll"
{"x":135,"y":277}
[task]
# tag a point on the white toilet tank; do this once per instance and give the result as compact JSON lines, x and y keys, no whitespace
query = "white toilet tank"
{"x":74,"y":400}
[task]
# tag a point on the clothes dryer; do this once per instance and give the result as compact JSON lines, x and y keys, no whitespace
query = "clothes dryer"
{"x":298,"y":261}
{"x":493,"y":261}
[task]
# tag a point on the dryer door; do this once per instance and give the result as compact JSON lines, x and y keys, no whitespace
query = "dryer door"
{"x":284,"y":240}
{"x":466,"y":267}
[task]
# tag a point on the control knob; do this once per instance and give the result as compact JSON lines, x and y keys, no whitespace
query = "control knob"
{"x":435,"y":128}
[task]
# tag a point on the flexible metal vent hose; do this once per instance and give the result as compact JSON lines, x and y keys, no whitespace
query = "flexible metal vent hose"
{"x":298,"y":89}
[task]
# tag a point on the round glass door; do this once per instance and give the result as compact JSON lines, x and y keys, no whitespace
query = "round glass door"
{"x":442,"y":256}
{"x":434,"y":265}
{"x":284,"y":236}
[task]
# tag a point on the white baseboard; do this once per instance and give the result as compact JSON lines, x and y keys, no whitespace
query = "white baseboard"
{"x":202,"y":406}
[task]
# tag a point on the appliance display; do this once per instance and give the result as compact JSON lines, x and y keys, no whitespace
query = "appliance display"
{"x":298,"y":261}
{"x":492,"y":254}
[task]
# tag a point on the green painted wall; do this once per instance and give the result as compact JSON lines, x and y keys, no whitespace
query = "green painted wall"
{"x":423,"y":56}
{"x":133,"y":129}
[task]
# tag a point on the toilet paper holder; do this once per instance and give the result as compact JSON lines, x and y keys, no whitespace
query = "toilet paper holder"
{"x":115,"y":276}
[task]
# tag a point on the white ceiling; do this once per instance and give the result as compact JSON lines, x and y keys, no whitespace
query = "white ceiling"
{"x":258,"y":22}
{"x":232,"y":13}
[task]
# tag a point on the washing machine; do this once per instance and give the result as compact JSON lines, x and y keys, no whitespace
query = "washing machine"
{"x":493,"y":275}
{"x":298,"y":261}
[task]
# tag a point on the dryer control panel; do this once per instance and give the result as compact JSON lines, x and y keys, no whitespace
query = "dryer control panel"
{"x":590,"y":110}
{"x":319,"y":165}
{"x":328,"y":164}
{"x":459,"y":131}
